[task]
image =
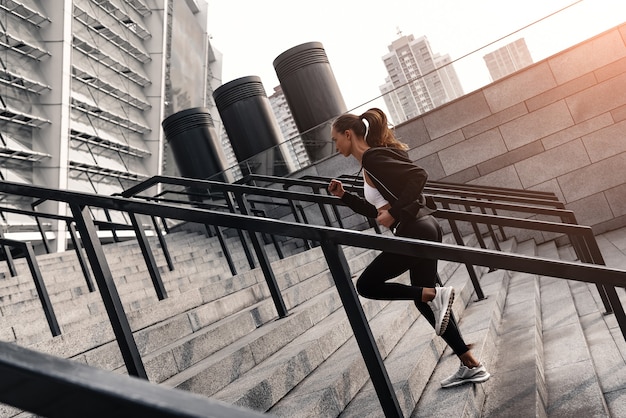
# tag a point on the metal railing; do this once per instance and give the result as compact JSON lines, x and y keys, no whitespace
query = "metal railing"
{"x":498,"y":199}
{"x":137,"y":227}
{"x":468,"y":197}
{"x":55,"y":387}
{"x":331,"y":241}
{"x":73,"y":236}
{"x":35,"y":272}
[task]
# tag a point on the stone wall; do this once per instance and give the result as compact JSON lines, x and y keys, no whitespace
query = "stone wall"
{"x":558,"y":125}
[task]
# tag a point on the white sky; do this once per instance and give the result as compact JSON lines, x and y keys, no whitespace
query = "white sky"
{"x":355,"y":34}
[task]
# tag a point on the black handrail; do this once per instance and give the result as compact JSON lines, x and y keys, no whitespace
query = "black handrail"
{"x":72,"y":231}
{"x":6,"y":252}
{"x":466,"y":196}
{"x":40,"y":286}
{"x":322,"y":200}
{"x":536,"y":202}
{"x":483,"y":197}
{"x":460,"y":188}
{"x":136,"y":227}
{"x":198,"y":201}
{"x":56,"y":387}
{"x":331,"y":240}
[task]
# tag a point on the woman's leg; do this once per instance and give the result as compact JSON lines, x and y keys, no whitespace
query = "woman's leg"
{"x":424,"y":274}
{"x":373,"y":282}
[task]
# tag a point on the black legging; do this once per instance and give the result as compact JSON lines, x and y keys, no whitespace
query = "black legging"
{"x":372,"y":283}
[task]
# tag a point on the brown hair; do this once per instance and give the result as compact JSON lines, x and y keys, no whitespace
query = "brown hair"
{"x":378,"y":135}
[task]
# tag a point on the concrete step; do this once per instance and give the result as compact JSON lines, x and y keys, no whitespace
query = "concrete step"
{"x":573,"y":384}
{"x":65,"y":281}
{"x":194,"y":309}
{"x":416,"y":365}
{"x":222,"y":368}
{"x":605,"y":340}
{"x":519,"y":384}
{"x":136,"y":291}
{"x":103,"y":356}
{"x":219,"y":336}
{"x":478,"y":326}
{"x":295,"y":297}
{"x":311,"y":395}
{"x":132,"y":280}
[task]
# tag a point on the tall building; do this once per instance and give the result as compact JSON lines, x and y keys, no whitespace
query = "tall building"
{"x":293,"y":147}
{"x":192,"y":73}
{"x":232,"y":165}
{"x":508,"y":59}
{"x":85,"y":84}
{"x":419,"y":80}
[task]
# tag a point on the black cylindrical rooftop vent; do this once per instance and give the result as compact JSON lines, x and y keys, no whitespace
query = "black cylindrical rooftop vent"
{"x":194,"y":143}
{"x":312,"y":94}
{"x":251,"y":125}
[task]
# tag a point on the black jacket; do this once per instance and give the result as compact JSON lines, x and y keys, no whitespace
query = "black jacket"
{"x":397,"y":178}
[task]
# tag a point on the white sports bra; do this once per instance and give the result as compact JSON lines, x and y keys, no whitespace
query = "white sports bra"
{"x":372,"y":195}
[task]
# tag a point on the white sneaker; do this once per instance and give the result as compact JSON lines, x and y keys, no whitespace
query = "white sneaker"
{"x":476,"y":374}
{"x":441,"y":306}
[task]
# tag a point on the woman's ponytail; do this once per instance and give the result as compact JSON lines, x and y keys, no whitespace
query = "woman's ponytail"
{"x":379,"y":133}
{"x":371,"y":125}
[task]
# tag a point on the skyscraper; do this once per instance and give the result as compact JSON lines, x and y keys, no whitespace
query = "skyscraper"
{"x":508,"y":59}
{"x":85,"y":84}
{"x":293,"y":148}
{"x":419,"y":80}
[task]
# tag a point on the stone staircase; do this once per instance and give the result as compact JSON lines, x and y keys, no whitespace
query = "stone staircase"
{"x":549,"y":348}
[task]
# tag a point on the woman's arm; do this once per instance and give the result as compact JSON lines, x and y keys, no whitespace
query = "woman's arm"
{"x":359,"y":205}
{"x":354,"y":202}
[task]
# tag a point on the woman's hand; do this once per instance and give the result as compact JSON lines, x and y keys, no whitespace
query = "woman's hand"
{"x":384,"y":218}
{"x":335,"y":187}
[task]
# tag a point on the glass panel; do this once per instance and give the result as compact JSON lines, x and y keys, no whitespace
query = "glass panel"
{"x":79,"y":185}
{"x":283,"y":159}
{"x":81,"y":156}
{"x":110,"y":163}
{"x":108,"y":188}
{"x":13,"y":144}
{"x":14,"y":220}
{"x":16,"y":177}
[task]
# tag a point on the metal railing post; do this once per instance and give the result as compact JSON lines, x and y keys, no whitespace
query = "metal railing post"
{"x":107,"y":214}
{"x":476,"y":229}
{"x":110,"y":296}
{"x":327,"y":221}
{"x":272,"y":237}
{"x":610,"y":292}
{"x":9,"y":257}
{"x":225,"y":250}
{"x":166,"y":251}
{"x":340,"y":271}
{"x":582,"y":245}
{"x":44,"y":239}
{"x":306,"y":221}
{"x":153,"y":269}
{"x":242,"y":235}
{"x":492,"y":233}
{"x":470,"y":268}
{"x":81,"y":258}
{"x":41,"y":289}
{"x":335,"y":210}
{"x":264,"y":262}
{"x":296,"y":217}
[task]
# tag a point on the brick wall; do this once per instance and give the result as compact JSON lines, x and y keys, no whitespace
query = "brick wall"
{"x":558,"y":125}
